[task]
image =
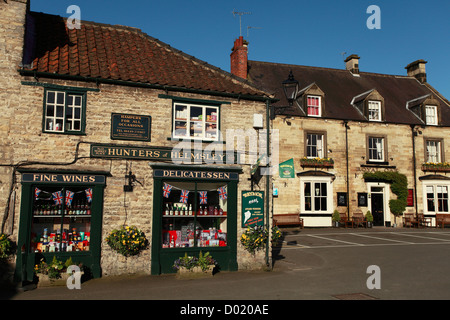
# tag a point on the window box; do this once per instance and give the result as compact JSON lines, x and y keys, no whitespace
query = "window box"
{"x":317,"y":162}
{"x":436,"y":167}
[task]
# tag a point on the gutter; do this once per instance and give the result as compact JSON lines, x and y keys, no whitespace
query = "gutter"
{"x":166,"y":88}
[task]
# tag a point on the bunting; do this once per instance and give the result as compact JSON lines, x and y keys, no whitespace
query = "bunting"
{"x":69,"y":197}
{"x":37,"y":191}
{"x":57,"y":197}
{"x":89,"y":194}
{"x":166,"y":190}
{"x":184,"y":196}
{"x":203,"y":197}
{"x":222,"y":193}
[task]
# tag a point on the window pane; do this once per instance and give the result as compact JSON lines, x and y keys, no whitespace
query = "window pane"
{"x":430,"y":199}
{"x":50,"y":97}
{"x":307,"y":195}
{"x":60,"y":98}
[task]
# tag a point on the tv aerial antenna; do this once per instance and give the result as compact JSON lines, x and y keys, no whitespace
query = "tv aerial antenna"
{"x":248,"y":29}
{"x":240,"y":14}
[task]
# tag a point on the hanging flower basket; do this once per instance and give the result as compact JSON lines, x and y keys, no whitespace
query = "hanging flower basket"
{"x":317,"y":162}
{"x":436,"y":167}
{"x":128,"y":241}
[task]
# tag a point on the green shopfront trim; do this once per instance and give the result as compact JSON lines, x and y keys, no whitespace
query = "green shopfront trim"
{"x":47,"y":227}
{"x":194,"y":226}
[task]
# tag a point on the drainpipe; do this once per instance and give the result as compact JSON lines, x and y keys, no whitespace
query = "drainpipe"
{"x":414,"y":134}
{"x":268,"y":178}
{"x":346,"y":159}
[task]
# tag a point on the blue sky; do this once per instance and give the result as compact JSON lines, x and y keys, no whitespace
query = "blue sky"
{"x":312,"y":33}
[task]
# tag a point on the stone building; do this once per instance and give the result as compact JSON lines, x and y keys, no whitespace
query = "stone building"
{"x":341,"y":125}
{"x":97,"y":124}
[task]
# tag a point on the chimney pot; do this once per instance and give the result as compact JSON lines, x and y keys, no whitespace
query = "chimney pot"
{"x":417,"y":70}
{"x":352,"y":63}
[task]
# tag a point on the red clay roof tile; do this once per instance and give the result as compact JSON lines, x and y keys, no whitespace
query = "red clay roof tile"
{"x":123,"y":53}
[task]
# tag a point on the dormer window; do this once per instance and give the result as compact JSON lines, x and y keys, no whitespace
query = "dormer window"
{"x":374,"y":110}
{"x":431,"y":115}
{"x":426,"y":108}
{"x":314,"y":106}
{"x":311,"y":101}
{"x":370,"y":104}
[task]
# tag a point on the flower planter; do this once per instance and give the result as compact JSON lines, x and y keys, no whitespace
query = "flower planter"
{"x":195,"y":273}
{"x":317,"y":163}
{"x":45,"y":281}
{"x":436,"y":167}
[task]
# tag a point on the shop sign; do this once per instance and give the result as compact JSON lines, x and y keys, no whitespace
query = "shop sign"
{"x":159,"y":153}
{"x":60,"y":178}
{"x":189,"y":174}
{"x":286,"y":169}
{"x":130,"y":127}
{"x":252,"y":208}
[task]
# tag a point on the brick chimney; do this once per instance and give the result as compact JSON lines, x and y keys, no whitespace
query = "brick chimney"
{"x":352,"y":64}
{"x":417,"y":70}
{"x":239,"y":58}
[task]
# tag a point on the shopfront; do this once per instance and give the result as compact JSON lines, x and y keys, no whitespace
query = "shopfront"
{"x":194,"y":209}
{"x":61,"y":215}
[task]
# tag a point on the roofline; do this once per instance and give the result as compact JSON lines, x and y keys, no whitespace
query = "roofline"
{"x":37,"y":74}
{"x":334,"y":69}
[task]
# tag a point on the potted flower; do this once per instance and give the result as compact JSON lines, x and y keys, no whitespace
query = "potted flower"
{"x":369,"y":219}
{"x":336,"y":218}
{"x":128,"y":241}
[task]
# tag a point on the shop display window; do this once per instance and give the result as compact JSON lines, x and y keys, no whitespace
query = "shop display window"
{"x":194,"y":214}
{"x":61,"y":219}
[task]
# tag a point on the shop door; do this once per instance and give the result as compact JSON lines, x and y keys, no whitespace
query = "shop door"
{"x":378,"y":209}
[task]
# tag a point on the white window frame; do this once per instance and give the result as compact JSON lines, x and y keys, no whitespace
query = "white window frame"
{"x":319,"y":146}
{"x":433,"y":152}
{"x":435,"y":186}
{"x":318,"y":106}
{"x":379,"y":149}
{"x":329,"y":194}
{"x":203,"y":123}
{"x":60,"y":116}
{"x":374,"y":108}
{"x":431,"y":117}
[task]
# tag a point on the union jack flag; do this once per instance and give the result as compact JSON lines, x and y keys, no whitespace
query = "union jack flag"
{"x":89,"y":194}
{"x":36,"y":193}
{"x":166,"y":190}
{"x":222,"y":193}
{"x":69,"y":197}
{"x":184,"y":196}
{"x":203,"y":197}
{"x":57,"y":197}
